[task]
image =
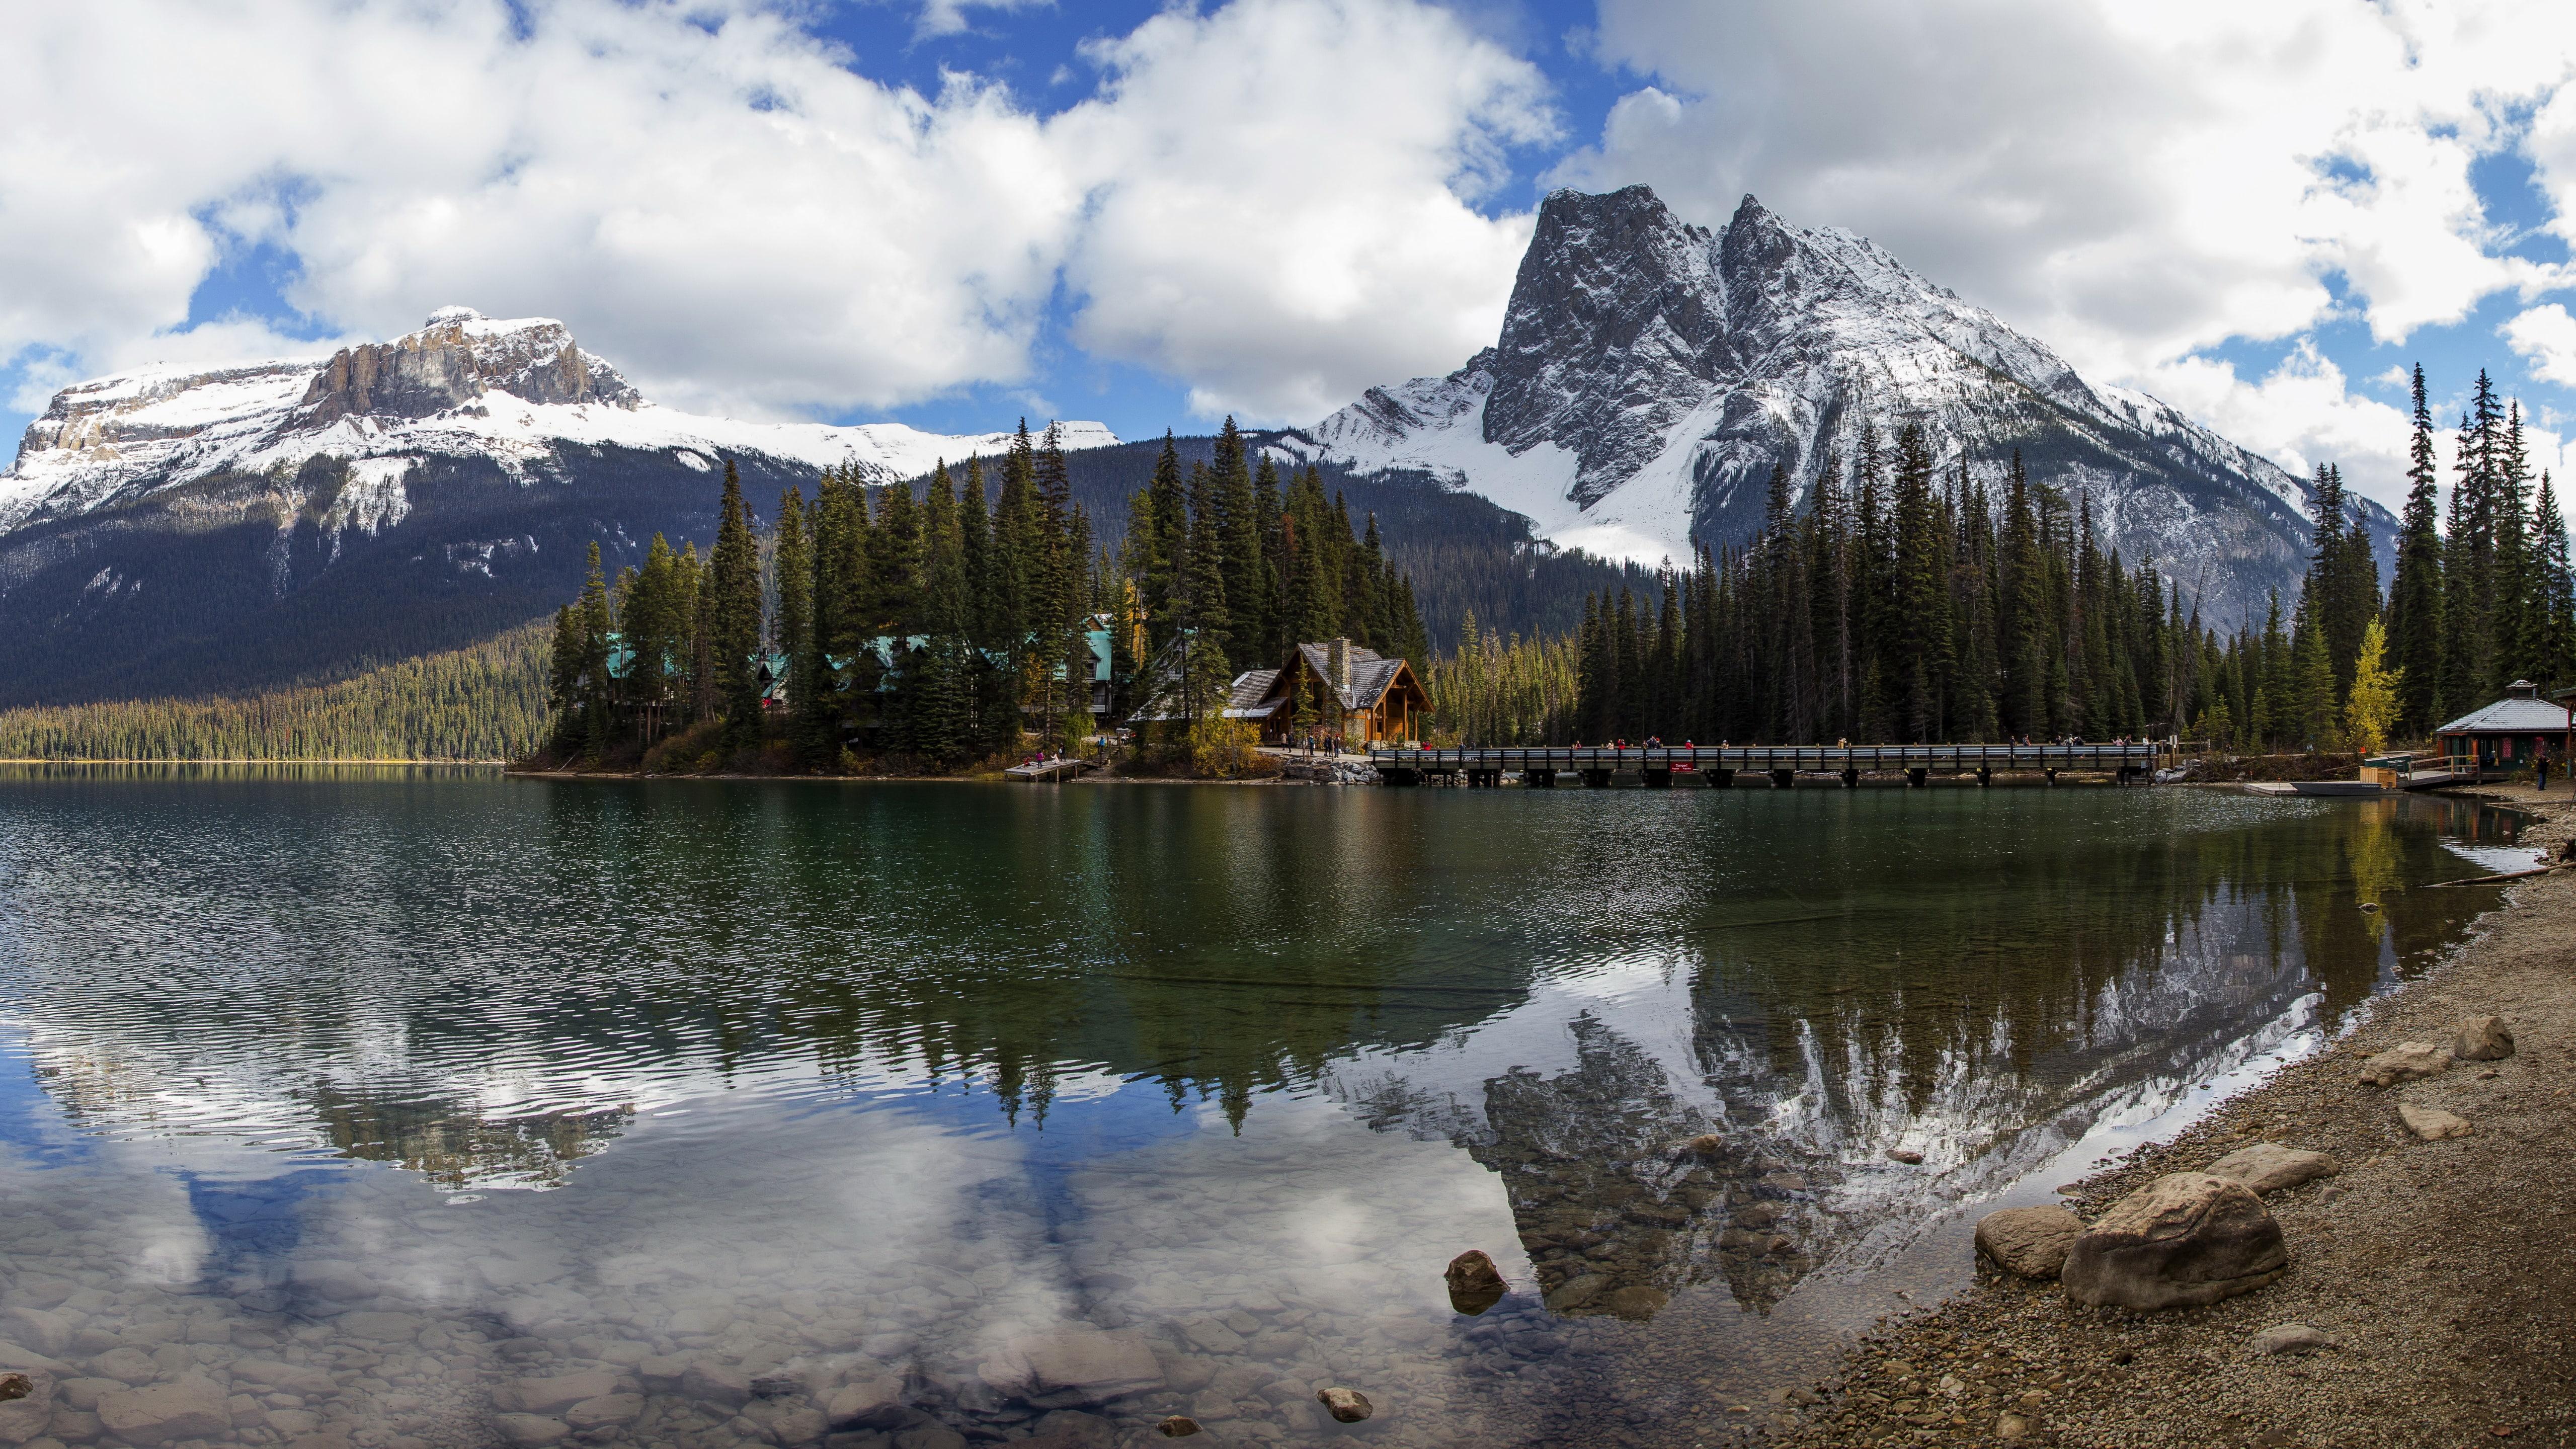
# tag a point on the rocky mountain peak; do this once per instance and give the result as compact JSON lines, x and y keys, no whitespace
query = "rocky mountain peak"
{"x":456,"y":357}
{"x":1651,"y":374}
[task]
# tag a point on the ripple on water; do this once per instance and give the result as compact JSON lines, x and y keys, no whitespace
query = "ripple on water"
{"x":915,"y":1110}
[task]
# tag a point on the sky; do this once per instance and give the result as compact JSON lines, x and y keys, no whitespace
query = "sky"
{"x":952,"y":213}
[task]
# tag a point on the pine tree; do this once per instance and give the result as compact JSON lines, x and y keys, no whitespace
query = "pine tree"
{"x":2415,"y":595}
{"x":734,"y":614}
{"x":2554,"y":600}
{"x":792,"y":565}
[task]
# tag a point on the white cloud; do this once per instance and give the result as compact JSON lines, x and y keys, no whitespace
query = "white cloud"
{"x":2132,"y":184}
{"x":1280,"y":199}
{"x":2546,"y":337}
{"x":2300,"y":414}
{"x":715,"y":201}
{"x":950,"y":17}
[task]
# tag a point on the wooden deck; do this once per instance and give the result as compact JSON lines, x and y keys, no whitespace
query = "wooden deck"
{"x":1048,"y":772}
{"x":1662,"y":766}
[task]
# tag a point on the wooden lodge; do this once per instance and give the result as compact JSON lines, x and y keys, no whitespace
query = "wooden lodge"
{"x":1334,"y":688}
{"x":2512,"y":732}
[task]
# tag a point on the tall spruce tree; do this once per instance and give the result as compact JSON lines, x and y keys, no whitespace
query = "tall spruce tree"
{"x":734,"y":613}
{"x":2415,"y":630}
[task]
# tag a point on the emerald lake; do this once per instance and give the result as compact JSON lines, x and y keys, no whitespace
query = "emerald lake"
{"x":905,"y":1116}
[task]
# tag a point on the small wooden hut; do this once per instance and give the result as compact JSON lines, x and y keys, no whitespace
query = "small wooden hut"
{"x":2512,"y":732}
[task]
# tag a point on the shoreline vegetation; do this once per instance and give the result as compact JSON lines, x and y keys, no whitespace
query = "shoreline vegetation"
{"x":484,"y":703}
{"x":878,"y":630}
{"x":2433,"y":1270}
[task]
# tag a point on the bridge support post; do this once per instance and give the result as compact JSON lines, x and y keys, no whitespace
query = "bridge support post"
{"x":1721,"y":779}
{"x":1918,"y":778}
{"x":1657,"y":779}
{"x":1399,"y":777}
{"x":1539,"y":779}
{"x":2052,"y":775}
{"x":1985,"y":777}
{"x":1851,"y":779}
{"x":1783,"y":779}
{"x":1596,"y":779}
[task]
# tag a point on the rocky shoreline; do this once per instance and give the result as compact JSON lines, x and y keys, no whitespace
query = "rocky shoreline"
{"x":2432,"y":1272}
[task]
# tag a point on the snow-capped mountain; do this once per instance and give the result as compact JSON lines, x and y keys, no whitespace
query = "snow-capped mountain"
{"x":178,"y":530}
{"x":518,"y":393}
{"x":1651,"y":373}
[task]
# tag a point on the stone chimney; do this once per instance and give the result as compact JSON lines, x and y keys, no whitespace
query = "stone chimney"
{"x":1337,"y":664}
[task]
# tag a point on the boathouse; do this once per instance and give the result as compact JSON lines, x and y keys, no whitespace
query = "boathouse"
{"x":2510,"y":733}
{"x":1334,"y":688}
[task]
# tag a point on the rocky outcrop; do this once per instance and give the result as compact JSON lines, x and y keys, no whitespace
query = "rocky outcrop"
{"x":2028,"y":1242}
{"x":2432,"y":1123}
{"x":2184,"y":1240}
{"x":2405,"y":1062}
{"x":2482,"y":1039}
{"x":2269,"y":1167}
{"x":454,"y":359}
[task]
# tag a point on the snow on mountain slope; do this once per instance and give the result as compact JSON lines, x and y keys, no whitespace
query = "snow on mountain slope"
{"x":1651,"y":374}
{"x":514,"y":392}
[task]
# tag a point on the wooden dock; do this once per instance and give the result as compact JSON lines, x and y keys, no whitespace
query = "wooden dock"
{"x":1664,"y":766}
{"x":1048,"y":772}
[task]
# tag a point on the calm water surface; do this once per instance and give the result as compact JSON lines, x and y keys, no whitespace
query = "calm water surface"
{"x":923,"y":1115}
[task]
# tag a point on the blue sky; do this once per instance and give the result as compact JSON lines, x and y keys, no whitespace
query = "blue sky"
{"x":950,"y":212}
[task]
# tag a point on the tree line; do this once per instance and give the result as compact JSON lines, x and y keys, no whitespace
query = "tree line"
{"x":485,"y":702}
{"x":1907,"y":602}
{"x":947,"y":624}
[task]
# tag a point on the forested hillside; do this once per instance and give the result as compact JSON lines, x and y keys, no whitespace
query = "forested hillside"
{"x":1464,"y":554}
{"x":1903,"y":605}
{"x":485,"y":702}
{"x":930,"y":628}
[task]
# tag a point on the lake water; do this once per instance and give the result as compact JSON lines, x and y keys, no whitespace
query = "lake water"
{"x":916,"y":1115}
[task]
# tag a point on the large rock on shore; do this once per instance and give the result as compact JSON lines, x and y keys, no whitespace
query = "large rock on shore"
{"x":2404,"y":1062}
{"x":2030,"y":1242}
{"x":2183,"y":1240}
{"x":2482,"y":1039}
{"x":2432,"y":1123}
{"x":2268,"y":1167}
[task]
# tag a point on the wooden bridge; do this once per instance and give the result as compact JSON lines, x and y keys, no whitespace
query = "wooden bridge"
{"x":1663,"y":766}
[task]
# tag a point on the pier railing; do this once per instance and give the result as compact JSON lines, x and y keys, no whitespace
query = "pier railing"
{"x":1540,"y":764}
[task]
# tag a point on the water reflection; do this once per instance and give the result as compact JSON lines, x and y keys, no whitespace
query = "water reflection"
{"x":999,"y":1103}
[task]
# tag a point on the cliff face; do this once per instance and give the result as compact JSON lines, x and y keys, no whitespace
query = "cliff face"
{"x":1650,"y":374}
{"x":454,"y":360}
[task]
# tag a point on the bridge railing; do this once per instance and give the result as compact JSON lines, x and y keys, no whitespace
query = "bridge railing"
{"x":1828,"y":758}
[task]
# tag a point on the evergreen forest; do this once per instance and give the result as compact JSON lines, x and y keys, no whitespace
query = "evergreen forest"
{"x":485,"y":702}
{"x":944,"y":623}
{"x":1907,"y":602}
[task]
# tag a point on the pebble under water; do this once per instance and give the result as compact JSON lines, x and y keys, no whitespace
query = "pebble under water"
{"x":432,"y":1108}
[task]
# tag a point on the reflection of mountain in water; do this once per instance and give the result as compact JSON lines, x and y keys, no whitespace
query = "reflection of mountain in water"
{"x":1756,"y":1150}
{"x":480,"y":979}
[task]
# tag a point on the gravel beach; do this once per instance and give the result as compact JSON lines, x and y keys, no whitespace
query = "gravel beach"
{"x":2440,"y":1273}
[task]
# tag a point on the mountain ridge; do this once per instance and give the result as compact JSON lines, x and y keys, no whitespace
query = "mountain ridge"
{"x":1650,"y":373}
{"x":515,"y":391}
